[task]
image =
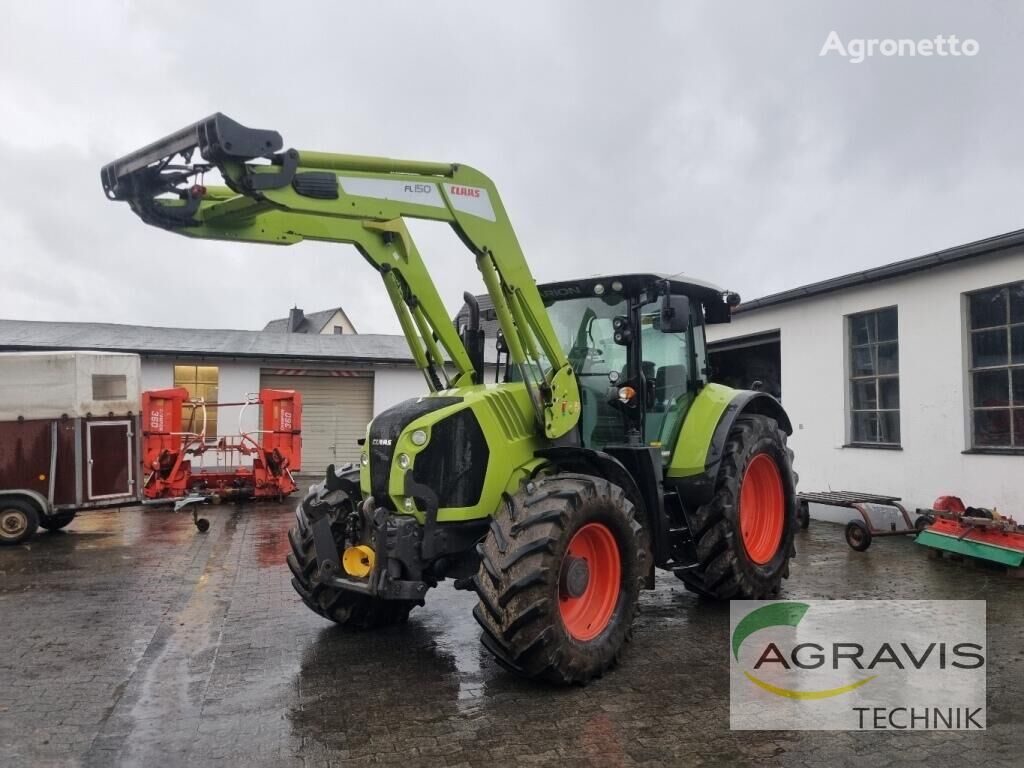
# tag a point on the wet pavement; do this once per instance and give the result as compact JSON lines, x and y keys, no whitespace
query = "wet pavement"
{"x":130,"y":639}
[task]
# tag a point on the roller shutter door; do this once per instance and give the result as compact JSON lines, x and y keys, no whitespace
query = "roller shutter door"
{"x":335,"y":412}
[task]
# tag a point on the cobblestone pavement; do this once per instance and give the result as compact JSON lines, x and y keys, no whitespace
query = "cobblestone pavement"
{"x":130,"y":639}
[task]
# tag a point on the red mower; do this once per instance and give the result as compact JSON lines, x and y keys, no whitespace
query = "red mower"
{"x":975,"y":532}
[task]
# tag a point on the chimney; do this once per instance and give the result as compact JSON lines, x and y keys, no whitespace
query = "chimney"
{"x":295,"y":318}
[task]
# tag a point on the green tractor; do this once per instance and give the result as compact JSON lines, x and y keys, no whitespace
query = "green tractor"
{"x":604,"y":452}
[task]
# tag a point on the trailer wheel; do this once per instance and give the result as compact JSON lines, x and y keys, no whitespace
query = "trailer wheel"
{"x":18,"y":520}
{"x":347,"y":609}
{"x":560,"y":574}
{"x":56,"y":521}
{"x":744,"y":535}
{"x":923,"y":522}
{"x":857,"y":535}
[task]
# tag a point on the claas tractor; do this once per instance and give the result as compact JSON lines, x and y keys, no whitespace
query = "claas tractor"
{"x":603,"y":451}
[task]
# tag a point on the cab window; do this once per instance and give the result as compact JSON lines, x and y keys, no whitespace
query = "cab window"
{"x":666,"y":361}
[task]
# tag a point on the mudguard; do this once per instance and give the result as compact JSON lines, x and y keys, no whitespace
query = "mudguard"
{"x":698,"y":450}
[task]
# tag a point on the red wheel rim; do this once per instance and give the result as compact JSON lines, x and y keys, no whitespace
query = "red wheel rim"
{"x":586,"y":616}
{"x":762,"y":509}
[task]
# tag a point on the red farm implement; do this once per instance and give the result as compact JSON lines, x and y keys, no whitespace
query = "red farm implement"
{"x":255,"y":464}
{"x":975,"y":532}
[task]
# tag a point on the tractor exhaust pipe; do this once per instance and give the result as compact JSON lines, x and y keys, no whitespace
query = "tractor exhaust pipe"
{"x":473,"y":338}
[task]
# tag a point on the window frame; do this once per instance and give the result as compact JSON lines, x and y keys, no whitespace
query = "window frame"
{"x":1011,"y":368}
{"x":852,"y":379}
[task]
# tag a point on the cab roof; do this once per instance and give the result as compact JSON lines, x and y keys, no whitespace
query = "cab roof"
{"x":632,"y":284}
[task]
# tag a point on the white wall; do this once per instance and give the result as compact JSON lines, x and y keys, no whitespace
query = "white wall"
{"x":393,"y":385}
{"x":157,"y":374}
{"x":234,"y":381}
{"x":934,"y":412}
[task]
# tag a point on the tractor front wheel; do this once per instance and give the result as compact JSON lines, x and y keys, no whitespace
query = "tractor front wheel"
{"x":744,"y":535}
{"x":560,"y":573}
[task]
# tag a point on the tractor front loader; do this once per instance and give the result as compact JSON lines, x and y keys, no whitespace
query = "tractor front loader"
{"x":605,"y":451}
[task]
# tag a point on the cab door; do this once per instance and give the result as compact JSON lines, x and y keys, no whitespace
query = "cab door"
{"x":667,"y":365}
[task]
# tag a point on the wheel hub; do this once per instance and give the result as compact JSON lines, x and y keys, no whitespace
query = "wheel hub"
{"x":575,"y":577}
{"x":12,"y":522}
{"x":762,"y":509}
{"x":589,"y":582}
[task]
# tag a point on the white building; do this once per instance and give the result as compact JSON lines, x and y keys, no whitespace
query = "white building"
{"x":907,"y":379}
{"x":345,"y":379}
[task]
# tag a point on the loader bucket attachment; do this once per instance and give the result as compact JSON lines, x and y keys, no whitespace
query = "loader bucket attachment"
{"x":141,"y":176}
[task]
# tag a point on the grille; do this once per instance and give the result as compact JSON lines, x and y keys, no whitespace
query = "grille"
{"x":454,"y":463}
{"x":384,"y":431}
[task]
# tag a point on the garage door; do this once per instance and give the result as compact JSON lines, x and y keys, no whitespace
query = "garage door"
{"x":335,"y":412}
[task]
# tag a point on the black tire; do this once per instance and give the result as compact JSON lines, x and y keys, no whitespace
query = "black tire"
{"x":804,"y":515}
{"x":923,"y":522}
{"x":521,"y":570}
{"x":347,"y":609}
{"x":727,"y":571}
{"x":56,"y":521}
{"x":857,"y":535}
{"x":18,"y":520}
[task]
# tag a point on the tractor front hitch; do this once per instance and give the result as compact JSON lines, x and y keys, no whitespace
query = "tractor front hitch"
{"x":395,"y":541}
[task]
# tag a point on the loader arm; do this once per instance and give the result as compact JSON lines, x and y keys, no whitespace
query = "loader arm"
{"x":281,"y":197}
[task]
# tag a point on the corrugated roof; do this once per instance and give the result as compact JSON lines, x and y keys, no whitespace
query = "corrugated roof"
{"x":40,"y":335}
{"x":897,"y":269}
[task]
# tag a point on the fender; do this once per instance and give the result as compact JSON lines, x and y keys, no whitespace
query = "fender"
{"x":694,"y":464}
{"x":745,"y":401}
{"x":650,"y":505}
{"x":572,"y":458}
{"x":36,"y":498}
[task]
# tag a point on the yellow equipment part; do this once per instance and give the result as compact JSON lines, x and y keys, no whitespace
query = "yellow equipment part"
{"x":358,"y":561}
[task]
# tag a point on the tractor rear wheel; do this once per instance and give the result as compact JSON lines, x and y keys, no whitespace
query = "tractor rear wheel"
{"x":348,"y":609}
{"x":560,"y":573}
{"x":744,"y":535}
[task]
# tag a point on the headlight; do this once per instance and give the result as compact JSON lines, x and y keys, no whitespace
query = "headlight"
{"x":364,"y":459}
{"x":419,"y":437}
{"x":403,"y":461}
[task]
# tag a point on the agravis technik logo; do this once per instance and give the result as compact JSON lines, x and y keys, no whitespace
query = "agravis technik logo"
{"x":840,"y":664}
{"x":777,"y":615}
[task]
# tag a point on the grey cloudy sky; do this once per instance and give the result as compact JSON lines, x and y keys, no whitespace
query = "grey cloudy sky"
{"x":706,"y":138}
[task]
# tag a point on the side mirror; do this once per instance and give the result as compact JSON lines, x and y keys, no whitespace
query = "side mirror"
{"x":675,"y":314}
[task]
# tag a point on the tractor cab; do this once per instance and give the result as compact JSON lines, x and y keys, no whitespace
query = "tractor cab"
{"x":636,"y":344}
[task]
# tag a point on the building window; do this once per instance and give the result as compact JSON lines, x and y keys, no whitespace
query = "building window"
{"x":874,"y":378}
{"x":338,"y":330}
{"x":996,"y":323}
{"x":201,"y":382}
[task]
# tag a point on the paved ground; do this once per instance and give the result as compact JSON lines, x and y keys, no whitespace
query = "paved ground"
{"x":132,"y":640}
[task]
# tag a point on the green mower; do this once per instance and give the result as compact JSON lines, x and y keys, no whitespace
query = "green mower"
{"x":601,"y":452}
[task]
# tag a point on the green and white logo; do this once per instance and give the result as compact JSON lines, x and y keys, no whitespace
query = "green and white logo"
{"x":871,"y":665}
